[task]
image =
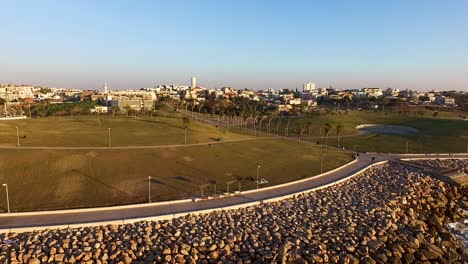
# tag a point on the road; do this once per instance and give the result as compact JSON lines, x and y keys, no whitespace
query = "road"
{"x":68,"y":217}
{"x":133,"y":147}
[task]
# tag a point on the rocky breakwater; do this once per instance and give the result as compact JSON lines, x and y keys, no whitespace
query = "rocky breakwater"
{"x":387,"y":214}
{"x":459,"y":164}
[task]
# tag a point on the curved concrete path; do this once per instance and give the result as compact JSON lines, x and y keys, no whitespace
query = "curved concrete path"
{"x":9,"y":222}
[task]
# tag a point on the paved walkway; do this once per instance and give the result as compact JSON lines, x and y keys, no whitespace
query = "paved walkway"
{"x":65,"y":217}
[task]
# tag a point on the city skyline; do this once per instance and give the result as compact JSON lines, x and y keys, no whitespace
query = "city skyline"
{"x":417,"y":45}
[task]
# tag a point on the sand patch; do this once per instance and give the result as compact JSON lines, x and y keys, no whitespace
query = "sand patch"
{"x":387,"y":129}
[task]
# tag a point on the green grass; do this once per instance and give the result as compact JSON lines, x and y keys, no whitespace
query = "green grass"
{"x":52,"y":179}
{"x":351,"y":119}
{"x":125,"y":131}
{"x":435,"y":134}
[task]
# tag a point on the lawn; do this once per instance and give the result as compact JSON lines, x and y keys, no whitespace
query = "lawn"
{"x":349,"y":121}
{"x":53,"y":179}
{"x":444,"y":133}
{"x":93,"y":131}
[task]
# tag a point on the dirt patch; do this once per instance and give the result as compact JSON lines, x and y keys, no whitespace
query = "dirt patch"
{"x":387,"y":129}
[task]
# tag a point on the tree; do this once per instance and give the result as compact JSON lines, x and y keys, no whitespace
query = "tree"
{"x":114,"y":109}
{"x":269,"y":118}
{"x":186,"y":121}
{"x":300,"y":132}
{"x":278,"y":123}
{"x":338,"y":130}
{"x":288,"y":121}
{"x":327,"y":129}
{"x":309,"y":126}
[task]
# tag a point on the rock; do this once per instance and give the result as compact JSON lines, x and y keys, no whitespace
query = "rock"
{"x":427,"y":254}
{"x":368,"y":260}
{"x":212,"y":247}
{"x":34,"y":261}
{"x":127,"y":260}
{"x":59,"y":257}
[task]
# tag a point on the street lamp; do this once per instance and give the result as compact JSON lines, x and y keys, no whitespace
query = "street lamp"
{"x":407,"y":146}
{"x":17,"y":137}
{"x":7,"y":198}
{"x":321,"y":163}
{"x":109,"y":136}
{"x":149,"y":189}
{"x":258,"y":170}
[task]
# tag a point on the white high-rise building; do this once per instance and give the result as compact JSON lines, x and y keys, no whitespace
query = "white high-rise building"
{"x":105,"y":88}
{"x":194,"y":82}
{"x":308,"y":86}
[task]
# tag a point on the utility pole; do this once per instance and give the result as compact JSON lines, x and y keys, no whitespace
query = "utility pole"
{"x":109,"y":135}
{"x":321,"y":163}
{"x":7,"y":197}
{"x":258,"y":169}
{"x":149,"y":189}
{"x":17,"y":137}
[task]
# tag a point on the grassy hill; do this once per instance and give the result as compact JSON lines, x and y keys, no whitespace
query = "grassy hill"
{"x":51,"y":179}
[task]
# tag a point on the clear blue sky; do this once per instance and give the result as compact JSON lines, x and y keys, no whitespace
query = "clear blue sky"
{"x":256,"y":44}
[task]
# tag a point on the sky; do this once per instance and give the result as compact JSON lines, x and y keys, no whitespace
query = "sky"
{"x":240,"y":43}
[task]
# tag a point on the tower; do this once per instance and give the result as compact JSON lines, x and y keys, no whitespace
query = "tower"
{"x":194,"y":82}
{"x":308,"y":87}
{"x":105,"y":88}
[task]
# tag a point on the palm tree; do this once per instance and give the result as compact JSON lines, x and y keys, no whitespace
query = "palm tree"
{"x":300,"y":132}
{"x":288,"y":121}
{"x":260,"y":120}
{"x":269,"y":118}
{"x":338,"y":130}
{"x":309,"y":126}
{"x":278,"y":123}
{"x":327,"y":129}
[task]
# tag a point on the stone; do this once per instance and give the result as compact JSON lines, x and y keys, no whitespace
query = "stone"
{"x":34,"y":261}
{"x":59,"y":257}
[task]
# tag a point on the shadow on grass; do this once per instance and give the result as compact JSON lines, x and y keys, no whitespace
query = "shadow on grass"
{"x":160,"y":122}
{"x":169,"y":185}
{"x":157,"y":182}
{"x":107,"y":185}
{"x":181,"y":178}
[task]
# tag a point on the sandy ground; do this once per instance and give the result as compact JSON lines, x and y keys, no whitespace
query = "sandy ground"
{"x":387,"y":129}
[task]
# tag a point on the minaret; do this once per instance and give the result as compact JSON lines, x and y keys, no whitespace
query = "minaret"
{"x":105,"y":88}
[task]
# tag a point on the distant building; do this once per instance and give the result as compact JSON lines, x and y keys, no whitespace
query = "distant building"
{"x":194,"y":82}
{"x":308,"y":87}
{"x":442,"y":100}
{"x":373,"y":92}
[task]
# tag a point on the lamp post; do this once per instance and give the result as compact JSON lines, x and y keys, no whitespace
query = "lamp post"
{"x":185,"y":135}
{"x":7,"y":197}
{"x":407,"y":147}
{"x":17,"y":137}
{"x":321,"y":163}
{"x":258,"y":172}
{"x":149,"y":189}
{"x":109,"y":136}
